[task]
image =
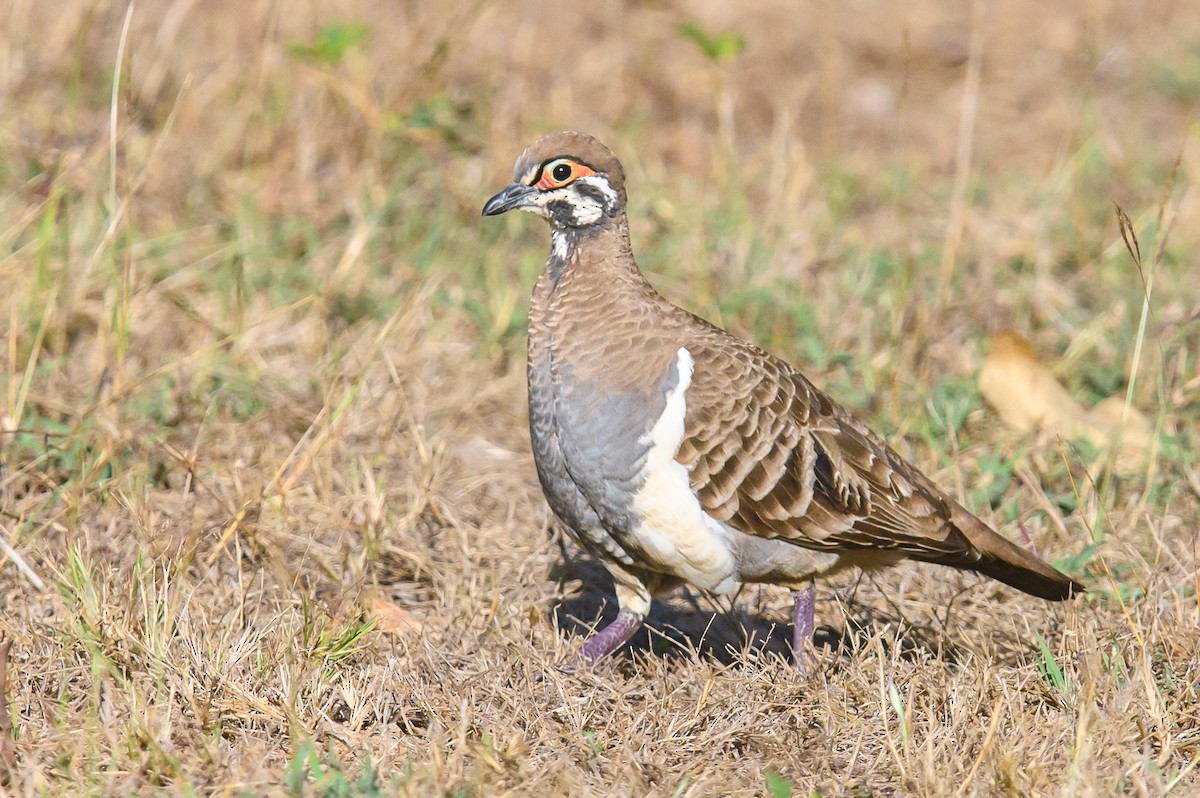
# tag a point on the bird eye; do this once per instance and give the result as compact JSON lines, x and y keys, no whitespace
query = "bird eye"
{"x":559,"y":173}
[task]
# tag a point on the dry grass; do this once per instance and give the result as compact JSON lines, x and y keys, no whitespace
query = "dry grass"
{"x":268,"y":518}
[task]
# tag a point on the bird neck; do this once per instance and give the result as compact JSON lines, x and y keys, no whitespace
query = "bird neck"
{"x":563,"y":243}
{"x":591,"y":274}
{"x":592,"y":310}
{"x":600,"y":253}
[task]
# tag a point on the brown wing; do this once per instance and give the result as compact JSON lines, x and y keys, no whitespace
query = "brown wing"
{"x":772,"y":456}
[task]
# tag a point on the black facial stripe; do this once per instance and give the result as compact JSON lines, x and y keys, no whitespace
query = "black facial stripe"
{"x":592,"y":192}
{"x":562,"y":211}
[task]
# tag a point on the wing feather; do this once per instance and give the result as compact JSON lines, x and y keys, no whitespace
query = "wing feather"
{"x":778,"y":459}
{"x":772,"y":456}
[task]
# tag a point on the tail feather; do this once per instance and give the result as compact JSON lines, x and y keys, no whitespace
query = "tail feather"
{"x":1003,"y":560}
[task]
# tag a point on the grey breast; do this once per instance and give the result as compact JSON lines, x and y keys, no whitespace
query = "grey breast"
{"x":590,"y":441}
{"x":563,"y":495}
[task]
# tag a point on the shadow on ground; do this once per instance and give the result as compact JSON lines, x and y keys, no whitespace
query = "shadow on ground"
{"x":679,"y":624}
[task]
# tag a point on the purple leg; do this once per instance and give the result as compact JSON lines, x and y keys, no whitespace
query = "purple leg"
{"x":611,"y":637}
{"x":803,"y":624}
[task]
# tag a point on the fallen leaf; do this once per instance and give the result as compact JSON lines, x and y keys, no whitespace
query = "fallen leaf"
{"x":1027,"y":396}
{"x":1023,"y":391}
{"x":393,"y":619}
{"x":1136,"y":435}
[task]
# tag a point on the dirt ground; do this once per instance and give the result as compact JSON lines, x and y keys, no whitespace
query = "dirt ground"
{"x":269,"y":523}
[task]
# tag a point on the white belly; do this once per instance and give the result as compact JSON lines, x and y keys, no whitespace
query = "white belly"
{"x":675,"y":532}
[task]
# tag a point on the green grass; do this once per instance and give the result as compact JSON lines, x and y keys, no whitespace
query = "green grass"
{"x":278,"y":386}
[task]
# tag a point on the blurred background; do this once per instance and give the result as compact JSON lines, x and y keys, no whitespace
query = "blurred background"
{"x":780,"y":154}
{"x":260,"y":348}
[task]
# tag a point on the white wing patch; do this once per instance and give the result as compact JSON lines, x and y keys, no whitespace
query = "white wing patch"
{"x":675,"y":532}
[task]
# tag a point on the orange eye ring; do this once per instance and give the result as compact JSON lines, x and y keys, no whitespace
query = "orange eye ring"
{"x":560,"y":172}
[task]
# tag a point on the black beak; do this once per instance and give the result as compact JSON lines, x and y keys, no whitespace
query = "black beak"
{"x":513,"y":196}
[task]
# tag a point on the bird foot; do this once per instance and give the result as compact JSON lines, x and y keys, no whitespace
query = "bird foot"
{"x":611,"y":637}
{"x":803,"y":626}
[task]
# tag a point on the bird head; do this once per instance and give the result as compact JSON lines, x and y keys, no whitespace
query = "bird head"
{"x":570,"y":179}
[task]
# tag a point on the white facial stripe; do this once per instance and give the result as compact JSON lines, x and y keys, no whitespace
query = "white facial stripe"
{"x":560,"y":244}
{"x":529,"y":175}
{"x":586,"y":210}
{"x":601,"y":183}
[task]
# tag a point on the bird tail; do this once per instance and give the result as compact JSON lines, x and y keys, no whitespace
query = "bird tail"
{"x":1001,"y":559}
